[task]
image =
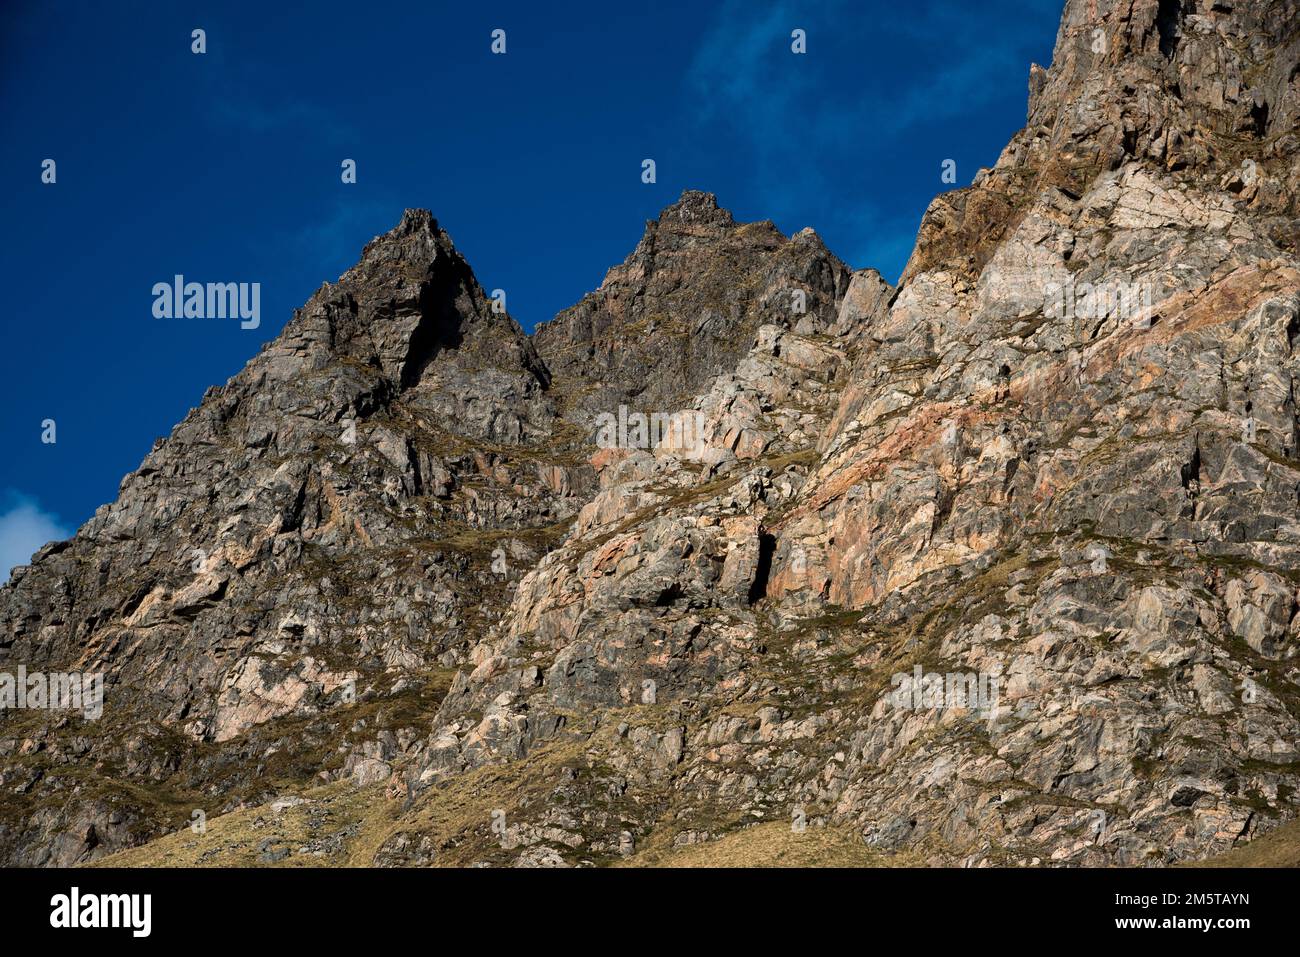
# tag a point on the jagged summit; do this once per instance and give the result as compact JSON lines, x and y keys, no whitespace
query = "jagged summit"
{"x":1206,"y":93}
{"x":1093,"y":505}
{"x":417,"y":219}
{"x":695,"y":208}
{"x":413,"y":308}
{"x":687,"y":302}
{"x":417,"y":240}
{"x":998,"y":567}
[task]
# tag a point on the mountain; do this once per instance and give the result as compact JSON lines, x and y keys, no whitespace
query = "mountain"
{"x":685,"y":306}
{"x":999,"y":566}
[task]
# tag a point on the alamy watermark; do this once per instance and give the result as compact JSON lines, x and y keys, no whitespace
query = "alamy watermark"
{"x":75,"y":909}
{"x":972,"y":690}
{"x":1086,"y":300}
{"x":55,"y":691}
{"x":639,"y":430}
{"x":214,"y":300}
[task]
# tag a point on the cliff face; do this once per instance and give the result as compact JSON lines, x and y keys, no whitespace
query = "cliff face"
{"x":1057,"y":467}
{"x":318,"y":533}
{"x":685,"y":306}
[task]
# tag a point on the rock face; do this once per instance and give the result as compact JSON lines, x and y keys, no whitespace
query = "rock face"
{"x":686,"y":305}
{"x":313,"y":535}
{"x":1057,"y":468}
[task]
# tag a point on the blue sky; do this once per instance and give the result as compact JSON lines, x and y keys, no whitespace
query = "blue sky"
{"x":225,"y":167}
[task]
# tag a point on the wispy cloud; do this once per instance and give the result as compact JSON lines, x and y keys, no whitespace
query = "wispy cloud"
{"x":732,"y":81}
{"x":804,"y":123}
{"x":781,"y":111}
{"x":733,"y":64}
{"x":235,"y":104}
{"x":336,"y":239}
{"x":24,"y":528}
{"x":245,"y":96}
{"x":733,"y":75}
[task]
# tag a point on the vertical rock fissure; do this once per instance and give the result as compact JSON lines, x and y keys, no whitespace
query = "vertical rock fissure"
{"x":1167,"y":19}
{"x":763,"y":569}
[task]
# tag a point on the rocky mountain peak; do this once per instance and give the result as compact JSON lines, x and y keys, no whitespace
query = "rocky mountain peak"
{"x":1001,"y":566}
{"x":1182,"y":82}
{"x":414,"y":244}
{"x":1207,"y":93}
{"x":685,"y":305}
{"x":412,"y":309}
{"x":695,"y":208}
{"x":694,"y":220}
{"x":417,"y":220}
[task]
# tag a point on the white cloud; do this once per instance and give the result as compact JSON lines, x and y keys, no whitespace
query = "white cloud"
{"x":804,"y":122}
{"x":24,"y":528}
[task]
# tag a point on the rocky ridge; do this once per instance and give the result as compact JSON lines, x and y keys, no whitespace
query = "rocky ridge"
{"x":1061,"y":455}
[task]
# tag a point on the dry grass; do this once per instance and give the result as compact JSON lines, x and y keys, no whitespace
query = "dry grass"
{"x":1280,"y":847}
{"x":235,"y":839}
{"x":773,"y":844}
